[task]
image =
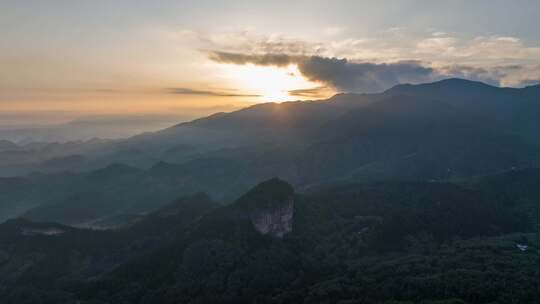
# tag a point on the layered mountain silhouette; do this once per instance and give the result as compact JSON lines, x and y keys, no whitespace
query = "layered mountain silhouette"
{"x":448,"y":130}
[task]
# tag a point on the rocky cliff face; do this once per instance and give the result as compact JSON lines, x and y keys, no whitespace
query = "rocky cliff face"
{"x":276,"y":220}
{"x":269,"y":206}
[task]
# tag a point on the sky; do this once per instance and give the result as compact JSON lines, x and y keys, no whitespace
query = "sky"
{"x":65,"y":60}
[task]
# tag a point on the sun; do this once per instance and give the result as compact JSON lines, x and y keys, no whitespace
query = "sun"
{"x":273,"y":84}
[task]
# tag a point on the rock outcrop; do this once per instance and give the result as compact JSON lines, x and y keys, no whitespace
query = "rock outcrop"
{"x":275,"y":221}
{"x":270,"y":207}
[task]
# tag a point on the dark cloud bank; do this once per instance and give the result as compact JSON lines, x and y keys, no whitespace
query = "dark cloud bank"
{"x":362,"y":77}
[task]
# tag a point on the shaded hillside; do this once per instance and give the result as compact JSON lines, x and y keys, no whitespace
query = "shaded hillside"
{"x":436,"y":131}
{"x":518,"y":109}
{"x":335,"y":243}
{"x":521,"y":186}
{"x":406,"y":137}
{"x":54,"y":257}
{"x":358,"y":228}
{"x":111,"y":191}
{"x":289,"y":122}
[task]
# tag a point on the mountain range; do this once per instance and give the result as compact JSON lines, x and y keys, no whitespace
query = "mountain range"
{"x":448,"y":130}
{"x":421,"y":194}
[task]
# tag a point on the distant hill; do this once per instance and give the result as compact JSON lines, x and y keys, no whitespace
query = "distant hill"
{"x":517,"y":108}
{"x":413,"y":138}
{"x":7,"y":145}
{"x":447,"y":130}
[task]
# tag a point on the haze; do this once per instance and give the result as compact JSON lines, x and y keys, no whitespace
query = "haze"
{"x":69,"y":60}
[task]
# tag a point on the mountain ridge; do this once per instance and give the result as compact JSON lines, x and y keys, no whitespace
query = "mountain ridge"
{"x":420,"y":134}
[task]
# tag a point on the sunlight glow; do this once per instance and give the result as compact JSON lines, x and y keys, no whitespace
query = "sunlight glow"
{"x":272,"y":83}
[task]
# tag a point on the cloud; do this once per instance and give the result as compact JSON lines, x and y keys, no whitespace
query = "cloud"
{"x":490,"y":76}
{"x":251,"y":42}
{"x":530,"y":82}
{"x":316,"y":92}
{"x":490,"y":50}
{"x":189,"y":91}
{"x":438,"y":45}
{"x":334,"y":30}
{"x":279,"y":60}
{"x":497,"y":48}
{"x":439,"y":34}
{"x":515,"y":75}
{"x":340,"y":74}
{"x":363,"y":77}
{"x":374,"y":63}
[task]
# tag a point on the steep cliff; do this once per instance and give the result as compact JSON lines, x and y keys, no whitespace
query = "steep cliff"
{"x":270,"y":207}
{"x":275,"y":221}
